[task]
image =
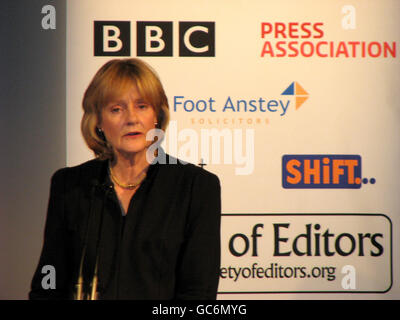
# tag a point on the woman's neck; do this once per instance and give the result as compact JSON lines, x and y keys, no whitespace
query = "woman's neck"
{"x":128,"y":167}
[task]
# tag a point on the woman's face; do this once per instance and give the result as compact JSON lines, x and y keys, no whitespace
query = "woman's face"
{"x":126,"y":121}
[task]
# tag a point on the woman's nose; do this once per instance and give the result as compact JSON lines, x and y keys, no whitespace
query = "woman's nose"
{"x":132,"y":116}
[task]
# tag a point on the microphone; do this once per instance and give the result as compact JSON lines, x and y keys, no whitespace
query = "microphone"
{"x":80,"y":292}
{"x":93,"y":285}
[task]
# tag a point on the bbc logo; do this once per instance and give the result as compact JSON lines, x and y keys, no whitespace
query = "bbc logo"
{"x":154,"y":38}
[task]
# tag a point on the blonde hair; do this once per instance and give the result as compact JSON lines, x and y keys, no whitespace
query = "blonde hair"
{"x":111,"y":81}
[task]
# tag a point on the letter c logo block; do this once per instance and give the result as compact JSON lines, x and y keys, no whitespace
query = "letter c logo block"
{"x":197,"y":39}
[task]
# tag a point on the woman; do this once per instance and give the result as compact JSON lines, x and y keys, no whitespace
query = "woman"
{"x":119,"y":227}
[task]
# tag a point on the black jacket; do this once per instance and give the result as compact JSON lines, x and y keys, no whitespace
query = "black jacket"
{"x":166,"y":247}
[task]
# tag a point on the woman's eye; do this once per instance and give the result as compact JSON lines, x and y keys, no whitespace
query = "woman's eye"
{"x":115,"y":109}
{"x":142,"y":106}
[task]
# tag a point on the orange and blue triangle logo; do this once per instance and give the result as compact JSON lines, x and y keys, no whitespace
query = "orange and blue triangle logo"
{"x":295,"y":89}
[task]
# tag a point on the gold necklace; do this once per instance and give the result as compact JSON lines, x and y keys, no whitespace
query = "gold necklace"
{"x":129,"y":185}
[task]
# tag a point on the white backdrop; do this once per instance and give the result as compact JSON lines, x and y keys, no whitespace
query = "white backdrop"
{"x":349,"y":71}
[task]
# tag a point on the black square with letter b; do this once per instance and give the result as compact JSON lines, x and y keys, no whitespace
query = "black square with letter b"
{"x":154,"y":38}
{"x":112,"y":38}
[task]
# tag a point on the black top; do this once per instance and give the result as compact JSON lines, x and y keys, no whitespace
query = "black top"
{"x":166,"y":247}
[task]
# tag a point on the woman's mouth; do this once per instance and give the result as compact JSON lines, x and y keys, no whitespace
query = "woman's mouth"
{"x":133,"y":134}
